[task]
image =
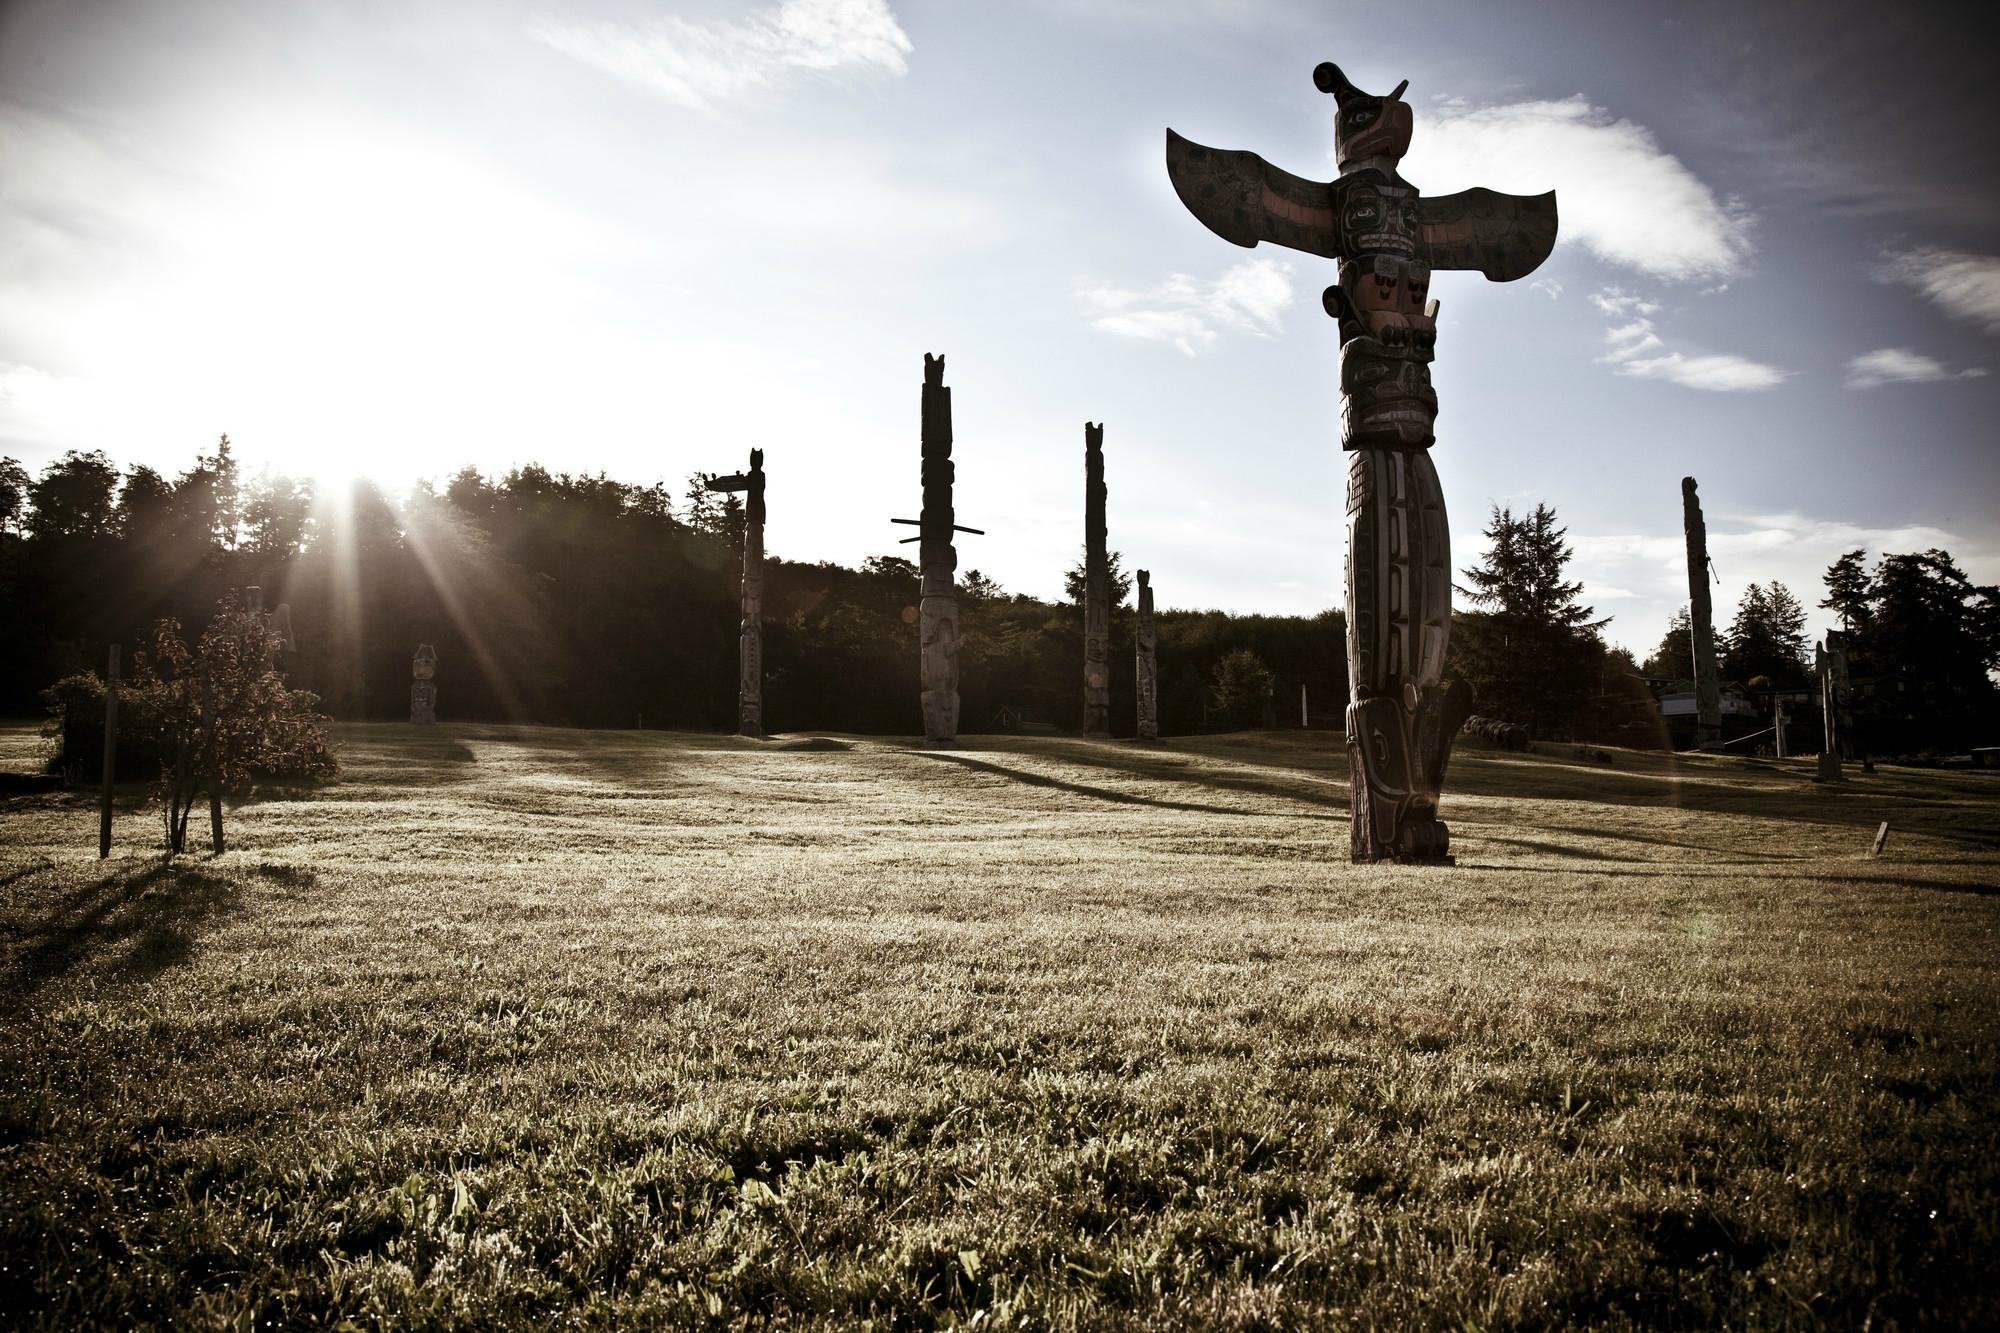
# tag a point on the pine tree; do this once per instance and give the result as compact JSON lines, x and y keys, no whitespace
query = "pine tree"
{"x":1117,"y":583}
{"x":1766,"y":640}
{"x":13,"y":493}
{"x":1674,"y":658}
{"x":1533,"y":656}
{"x":1849,"y":589}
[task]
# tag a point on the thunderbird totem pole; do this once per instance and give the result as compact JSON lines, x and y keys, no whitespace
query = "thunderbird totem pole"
{"x":1387,"y":239}
{"x":750,"y":636}
{"x":937,"y":606}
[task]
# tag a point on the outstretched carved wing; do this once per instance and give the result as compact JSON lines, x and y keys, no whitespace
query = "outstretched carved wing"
{"x":1504,"y":236}
{"x":1244,"y":199}
{"x":735,"y":481}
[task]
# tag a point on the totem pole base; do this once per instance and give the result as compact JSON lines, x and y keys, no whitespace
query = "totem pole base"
{"x":1396,"y":759}
{"x":1829,"y":769}
{"x":940,"y":719}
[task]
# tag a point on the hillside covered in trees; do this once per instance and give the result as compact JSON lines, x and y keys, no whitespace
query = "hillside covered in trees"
{"x":578,"y":600}
{"x":585,"y":601}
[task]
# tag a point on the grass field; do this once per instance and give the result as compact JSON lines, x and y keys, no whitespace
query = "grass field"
{"x":518,"y":1025}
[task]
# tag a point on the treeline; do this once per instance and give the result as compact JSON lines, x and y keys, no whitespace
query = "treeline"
{"x":577,"y":600}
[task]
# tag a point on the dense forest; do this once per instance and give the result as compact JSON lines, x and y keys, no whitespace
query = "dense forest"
{"x":579,"y":600}
{"x":591,"y":602}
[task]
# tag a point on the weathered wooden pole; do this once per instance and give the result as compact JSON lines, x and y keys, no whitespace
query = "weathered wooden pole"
{"x":1829,"y":753}
{"x":750,"y":634}
{"x":1148,"y":673}
{"x":937,"y":603}
{"x":1701,"y":623}
{"x":1096,"y":589}
{"x":110,"y":755}
{"x":214,"y":765}
{"x":1778,"y":722}
{"x":423,"y":686}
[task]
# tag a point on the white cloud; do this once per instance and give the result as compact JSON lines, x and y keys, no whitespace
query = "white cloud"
{"x":1549,"y":287}
{"x":1623,"y":197}
{"x":1964,"y":285}
{"x":1719,"y":373}
{"x":1637,"y":349}
{"x":1901,"y":365}
{"x":1790,"y":548}
{"x":1618,"y":301}
{"x":703,"y":64}
{"x":1192,"y":315}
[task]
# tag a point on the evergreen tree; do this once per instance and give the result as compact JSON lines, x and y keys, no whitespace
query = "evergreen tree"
{"x":975,"y":586}
{"x":13,"y":493}
{"x":72,"y":497}
{"x":1117,"y":583}
{"x":1933,"y":639}
{"x":1532,"y":654}
{"x":1674,"y":658}
{"x":1766,"y":640}
{"x":1849,"y":590}
{"x":276,"y":513}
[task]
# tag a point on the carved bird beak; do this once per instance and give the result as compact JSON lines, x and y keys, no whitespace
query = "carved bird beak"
{"x":1328,"y":79}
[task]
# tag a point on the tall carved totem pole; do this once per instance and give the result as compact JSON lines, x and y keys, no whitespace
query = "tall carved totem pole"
{"x":1701,"y":623}
{"x":750,"y":633}
{"x":937,"y":560}
{"x":1148,"y":673}
{"x":1388,"y":239}
{"x":1096,"y":589}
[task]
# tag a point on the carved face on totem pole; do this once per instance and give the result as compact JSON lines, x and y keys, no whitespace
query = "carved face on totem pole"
{"x":424,"y":665}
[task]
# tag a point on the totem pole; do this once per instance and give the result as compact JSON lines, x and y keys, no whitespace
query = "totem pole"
{"x":1096,"y":589}
{"x":1701,"y":623}
{"x":750,"y":637}
{"x":937,"y":607}
{"x":1388,"y":239}
{"x":1830,"y":665}
{"x":1148,"y":673}
{"x":423,"y":688}
{"x":277,"y":625}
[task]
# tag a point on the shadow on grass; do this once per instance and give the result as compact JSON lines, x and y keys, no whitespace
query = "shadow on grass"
{"x":1921,"y":803}
{"x":140,"y":922}
{"x":1081,"y":789}
{"x":1171,"y":765}
{"x":1677,"y":870}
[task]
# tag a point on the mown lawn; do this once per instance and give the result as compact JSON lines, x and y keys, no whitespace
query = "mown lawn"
{"x":520,"y":1025}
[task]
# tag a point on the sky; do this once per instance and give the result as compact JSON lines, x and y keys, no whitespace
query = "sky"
{"x":394,"y":239}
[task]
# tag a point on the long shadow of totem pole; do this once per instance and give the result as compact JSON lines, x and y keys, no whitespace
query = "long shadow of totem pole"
{"x":1387,"y":238}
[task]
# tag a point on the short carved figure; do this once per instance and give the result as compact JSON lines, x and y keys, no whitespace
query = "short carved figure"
{"x":423,"y":688}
